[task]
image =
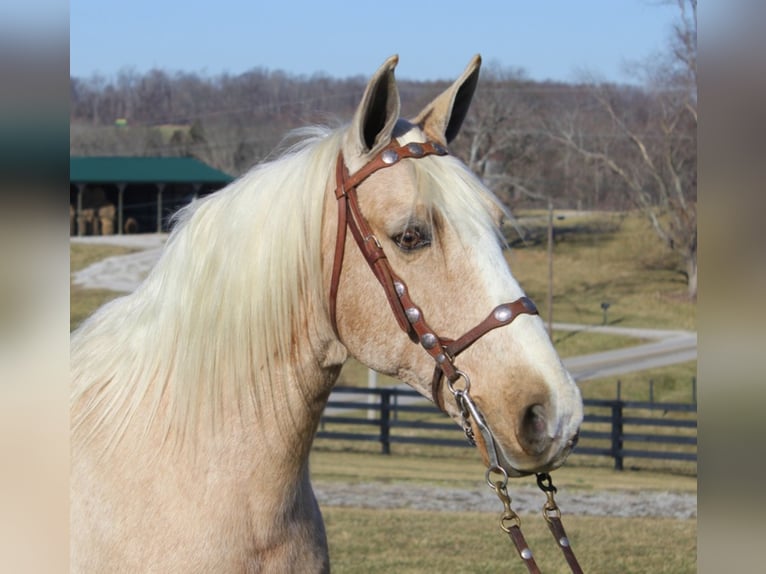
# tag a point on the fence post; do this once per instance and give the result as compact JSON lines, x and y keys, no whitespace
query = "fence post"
{"x":385,"y":421}
{"x":372,"y":383}
{"x":617,"y":434}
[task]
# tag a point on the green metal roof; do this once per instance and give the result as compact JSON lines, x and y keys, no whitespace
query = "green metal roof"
{"x":143,"y":170}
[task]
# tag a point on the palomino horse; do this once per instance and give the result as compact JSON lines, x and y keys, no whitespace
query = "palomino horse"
{"x":196,"y":398}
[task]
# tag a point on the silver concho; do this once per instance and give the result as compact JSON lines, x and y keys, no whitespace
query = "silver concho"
{"x":503,"y":314}
{"x":564,"y":541}
{"x":413,"y":314}
{"x":428,"y":340}
{"x":526,"y":554}
{"x":415,"y":149}
{"x":389,"y":156}
{"x":400,"y":288}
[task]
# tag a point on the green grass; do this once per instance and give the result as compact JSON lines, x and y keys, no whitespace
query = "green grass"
{"x":604,"y":257}
{"x":410,"y":541}
{"x":82,"y":303}
{"x":574,"y":343}
{"x":405,"y":540}
{"x":342,"y":461}
{"x":83,"y":254}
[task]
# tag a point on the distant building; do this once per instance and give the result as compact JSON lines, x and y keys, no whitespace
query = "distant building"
{"x":116,"y":195}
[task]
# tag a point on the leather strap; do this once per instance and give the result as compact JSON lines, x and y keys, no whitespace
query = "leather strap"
{"x":562,"y":540}
{"x":514,"y":532}
{"x":340,"y":241}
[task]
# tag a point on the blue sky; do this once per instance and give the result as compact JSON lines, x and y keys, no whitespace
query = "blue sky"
{"x":549,"y":39}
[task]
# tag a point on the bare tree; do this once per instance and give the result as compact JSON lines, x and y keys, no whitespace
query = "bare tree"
{"x":498,"y":142}
{"x":650,"y":140}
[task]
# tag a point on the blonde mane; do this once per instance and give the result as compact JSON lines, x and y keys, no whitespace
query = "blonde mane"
{"x":221,"y":304}
{"x":224,"y":304}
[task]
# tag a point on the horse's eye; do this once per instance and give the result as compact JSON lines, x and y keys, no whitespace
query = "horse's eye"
{"x":412,"y":239}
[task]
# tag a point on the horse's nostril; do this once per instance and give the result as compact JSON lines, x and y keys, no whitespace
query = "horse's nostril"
{"x":533,"y":430}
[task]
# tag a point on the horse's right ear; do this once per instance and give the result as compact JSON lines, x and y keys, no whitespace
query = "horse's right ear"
{"x":442,"y":118}
{"x":375,"y":117}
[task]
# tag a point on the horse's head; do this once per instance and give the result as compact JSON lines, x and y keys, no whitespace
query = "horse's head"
{"x":422,"y":274}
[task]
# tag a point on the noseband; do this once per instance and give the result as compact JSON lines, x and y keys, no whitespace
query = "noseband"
{"x":407,"y":314}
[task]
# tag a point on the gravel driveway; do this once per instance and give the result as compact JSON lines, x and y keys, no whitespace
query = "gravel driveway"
{"x":526,"y":499}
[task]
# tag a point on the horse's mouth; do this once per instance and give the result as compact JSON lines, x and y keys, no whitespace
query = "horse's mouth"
{"x":516,"y":470}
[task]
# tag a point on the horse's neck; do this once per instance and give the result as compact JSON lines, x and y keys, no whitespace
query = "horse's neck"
{"x":247,"y":480}
{"x":265,"y":455}
{"x":275,"y":432}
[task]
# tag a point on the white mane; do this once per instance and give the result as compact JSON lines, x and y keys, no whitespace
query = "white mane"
{"x":221,"y":304}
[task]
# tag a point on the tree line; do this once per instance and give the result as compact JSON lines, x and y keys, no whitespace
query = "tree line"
{"x":589,"y":145}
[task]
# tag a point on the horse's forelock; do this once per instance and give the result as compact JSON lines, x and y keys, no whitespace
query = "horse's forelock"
{"x":451,"y":192}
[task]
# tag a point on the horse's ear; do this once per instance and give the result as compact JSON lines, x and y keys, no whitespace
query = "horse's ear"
{"x":442,"y":118}
{"x":376,"y":115}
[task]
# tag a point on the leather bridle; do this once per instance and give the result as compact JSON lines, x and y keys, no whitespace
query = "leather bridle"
{"x":408,"y":315}
{"x":443,"y":350}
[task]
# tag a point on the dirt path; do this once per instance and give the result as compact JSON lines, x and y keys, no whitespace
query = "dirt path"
{"x":526,"y":499}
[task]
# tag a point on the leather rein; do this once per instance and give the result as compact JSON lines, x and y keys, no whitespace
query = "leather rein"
{"x":443,"y":350}
{"x":408,"y":315}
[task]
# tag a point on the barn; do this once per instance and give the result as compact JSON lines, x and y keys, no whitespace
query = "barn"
{"x":116,"y":195}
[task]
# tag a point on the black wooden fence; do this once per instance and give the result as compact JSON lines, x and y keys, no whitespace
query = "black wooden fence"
{"x":614,"y":428}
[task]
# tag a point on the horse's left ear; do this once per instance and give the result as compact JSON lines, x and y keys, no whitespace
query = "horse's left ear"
{"x":374,"y":120}
{"x":442,"y":118}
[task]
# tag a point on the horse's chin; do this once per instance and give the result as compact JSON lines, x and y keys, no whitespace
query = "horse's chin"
{"x":515,"y":470}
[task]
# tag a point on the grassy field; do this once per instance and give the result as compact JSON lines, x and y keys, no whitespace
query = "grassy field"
{"x":613,"y":258}
{"x":333,"y":460}
{"x":82,"y":302}
{"x":407,"y":540}
{"x":410,"y":541}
